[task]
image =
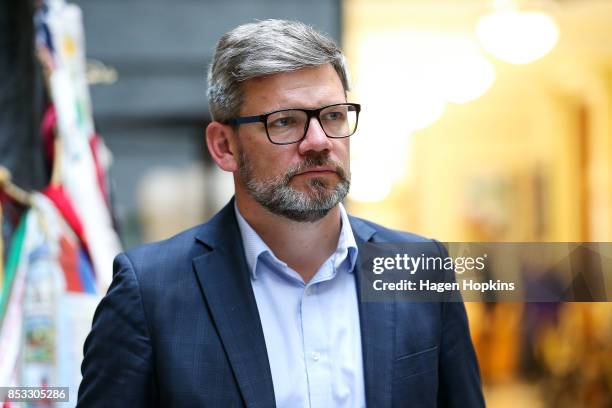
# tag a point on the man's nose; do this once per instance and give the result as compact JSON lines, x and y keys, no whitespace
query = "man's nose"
{"x":315,"y":138}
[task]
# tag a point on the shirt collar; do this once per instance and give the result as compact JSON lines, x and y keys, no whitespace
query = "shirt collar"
{"x":254,"y":246}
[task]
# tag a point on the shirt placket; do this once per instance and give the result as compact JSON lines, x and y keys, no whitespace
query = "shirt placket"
{"x":316,"y":347}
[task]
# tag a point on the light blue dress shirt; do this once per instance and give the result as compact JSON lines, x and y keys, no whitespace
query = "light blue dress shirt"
{"x":311,"y":330}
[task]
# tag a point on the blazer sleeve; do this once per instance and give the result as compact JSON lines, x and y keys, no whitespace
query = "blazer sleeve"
{"x":117,"y":366}
{"x":459,"y":375}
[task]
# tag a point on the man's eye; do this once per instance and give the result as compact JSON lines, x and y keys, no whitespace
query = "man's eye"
{"x":283,"y":122}
{"x":333,"y":116}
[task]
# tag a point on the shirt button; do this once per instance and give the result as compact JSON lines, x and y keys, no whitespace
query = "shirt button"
{"x":316,"y":355}
{"x":309,"y":290}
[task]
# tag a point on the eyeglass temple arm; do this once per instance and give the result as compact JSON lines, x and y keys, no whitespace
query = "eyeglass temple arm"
{"x":244,"y":119}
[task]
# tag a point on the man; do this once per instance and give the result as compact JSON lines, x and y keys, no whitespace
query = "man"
{"x":260,"y":307}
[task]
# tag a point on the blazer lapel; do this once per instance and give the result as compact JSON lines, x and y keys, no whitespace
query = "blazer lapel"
{"x":377,"y":321}
{"x":225,"y":283}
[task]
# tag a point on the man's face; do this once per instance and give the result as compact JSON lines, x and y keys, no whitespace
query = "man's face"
{"x":301,"y":181}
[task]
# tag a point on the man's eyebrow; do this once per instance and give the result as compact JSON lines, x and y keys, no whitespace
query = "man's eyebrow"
{"x":309,"y":107}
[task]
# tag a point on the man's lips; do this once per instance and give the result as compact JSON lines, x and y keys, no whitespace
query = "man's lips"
{"x":319,"y":170}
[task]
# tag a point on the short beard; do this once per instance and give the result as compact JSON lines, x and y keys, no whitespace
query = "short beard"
{"x":281,"y":199}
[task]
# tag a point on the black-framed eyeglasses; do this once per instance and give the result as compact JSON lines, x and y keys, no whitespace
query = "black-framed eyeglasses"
{"x":288,"y":126}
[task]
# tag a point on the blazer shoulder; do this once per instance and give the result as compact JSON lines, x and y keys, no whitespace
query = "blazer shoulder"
{"x":384,"y":234}
{"x":174,"y":250}
{"x":380,"y":234}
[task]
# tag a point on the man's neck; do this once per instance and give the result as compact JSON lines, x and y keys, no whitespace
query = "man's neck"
{"x":304,"y":246}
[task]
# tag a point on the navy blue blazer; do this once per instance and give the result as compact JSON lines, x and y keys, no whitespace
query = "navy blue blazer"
{"x":179,"y":327}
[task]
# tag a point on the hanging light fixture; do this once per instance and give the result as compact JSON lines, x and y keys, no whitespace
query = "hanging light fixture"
{"x":515,"y":36}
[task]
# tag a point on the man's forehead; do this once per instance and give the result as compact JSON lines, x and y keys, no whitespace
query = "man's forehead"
{"x":313,"y":86}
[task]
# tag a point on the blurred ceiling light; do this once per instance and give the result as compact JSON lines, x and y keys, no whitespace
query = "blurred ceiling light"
{"x":518,"y":37}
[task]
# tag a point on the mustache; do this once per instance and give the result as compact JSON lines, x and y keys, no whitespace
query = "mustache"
{"x":314,"y":160}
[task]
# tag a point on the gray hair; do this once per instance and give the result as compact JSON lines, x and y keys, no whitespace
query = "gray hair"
{"x":264,"y":48}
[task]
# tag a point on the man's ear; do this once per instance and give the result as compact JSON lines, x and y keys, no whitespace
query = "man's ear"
{"x":220,"y":146}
